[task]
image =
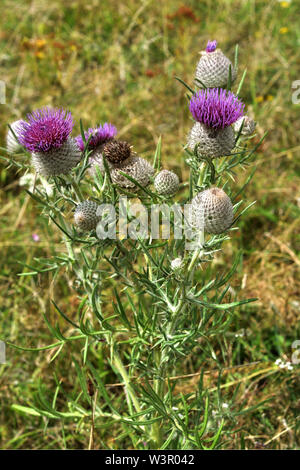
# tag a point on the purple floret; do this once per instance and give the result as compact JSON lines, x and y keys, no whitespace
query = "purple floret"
{"x":216,"y":108}
{"x":211,"y":46}
{"x":100,"y":135}
{"x":47,"y":128}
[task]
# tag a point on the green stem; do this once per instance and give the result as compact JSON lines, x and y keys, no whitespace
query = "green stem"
{"x":122,"y":371}
{"x":158,"y":385}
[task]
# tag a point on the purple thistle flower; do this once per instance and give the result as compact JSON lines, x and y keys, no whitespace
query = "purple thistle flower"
{"x":211,"y":46}
{"x":216,"y":108}
{"x":46,"y":129}
{"x":100,"y":135}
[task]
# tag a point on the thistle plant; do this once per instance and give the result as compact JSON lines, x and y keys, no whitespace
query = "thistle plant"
{"x":145,"y":305}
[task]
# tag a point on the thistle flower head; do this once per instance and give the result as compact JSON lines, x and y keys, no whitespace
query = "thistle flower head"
{"x":117,"y":151}
{"x":216,"y":108}
{"x":99,"y":135}
{"x":211,"y":46}
{"x":46,"y":129}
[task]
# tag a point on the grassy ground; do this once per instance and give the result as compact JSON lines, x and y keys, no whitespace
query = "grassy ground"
{"x":117,"y":62}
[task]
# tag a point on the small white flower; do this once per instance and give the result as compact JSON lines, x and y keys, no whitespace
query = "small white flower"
{"x":283,"y":365}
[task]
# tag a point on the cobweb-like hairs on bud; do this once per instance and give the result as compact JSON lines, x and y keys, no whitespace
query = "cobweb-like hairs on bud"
{"x":166,"y":182}
{"x":214,"y":67}
{"x":99,"y":135}
{"x":46,"y":129}
{"x":212,"y":211}
{"x":136,"y":167}
{"x":212,"y":143}
{"x":85,"y":216}
{"x":216,"y":108}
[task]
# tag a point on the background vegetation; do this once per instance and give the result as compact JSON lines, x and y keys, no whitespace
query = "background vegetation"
{"x":116,"y":61}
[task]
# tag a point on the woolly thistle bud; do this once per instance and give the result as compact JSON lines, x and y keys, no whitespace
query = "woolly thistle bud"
{"x":85,"y":216}
{"x":12,"y":145}
{"x":117,"y":151}
{"x":212,"y":143}
{"x":166,"y":182}
{"x":212,"y":211}
{"x":213,"y":67}
{"x":176,"y":264}
{"x":248,"y":126}
{"x":136,"y":167}
{"x":47,"y":136}
{"x":58,"y":161}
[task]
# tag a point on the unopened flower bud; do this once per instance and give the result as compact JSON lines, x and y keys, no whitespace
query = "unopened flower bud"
{"x":212,"y":211}
{"x":166,"y":182}
{"x":213,"y":67}
{"x":136,"y":167}
{"x":248,"y":125}
{"x":85,"y":216}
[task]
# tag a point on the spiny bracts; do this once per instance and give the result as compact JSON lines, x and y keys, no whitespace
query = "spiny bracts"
{"x":85,"y":216}
{"x":211,"y":211}
{"x":214,"y":67}
{"x":117,"y":151}
{"x":166,"y":183}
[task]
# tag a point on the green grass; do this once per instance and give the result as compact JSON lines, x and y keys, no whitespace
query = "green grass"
{"x":117,"y":62}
